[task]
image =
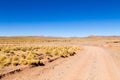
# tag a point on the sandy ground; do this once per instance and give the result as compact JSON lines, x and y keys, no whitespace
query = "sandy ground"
{"x":93,"y":63}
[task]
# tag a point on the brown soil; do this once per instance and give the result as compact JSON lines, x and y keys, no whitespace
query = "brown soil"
{"x":93,"y":63}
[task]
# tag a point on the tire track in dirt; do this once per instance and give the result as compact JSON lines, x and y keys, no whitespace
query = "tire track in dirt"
{"x":94,"y":63}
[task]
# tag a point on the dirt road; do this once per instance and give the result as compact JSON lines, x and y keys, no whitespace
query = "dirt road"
{"x":94,"y":63}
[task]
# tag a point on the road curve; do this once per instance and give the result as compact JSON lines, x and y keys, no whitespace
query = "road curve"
{"x":94,"y":63}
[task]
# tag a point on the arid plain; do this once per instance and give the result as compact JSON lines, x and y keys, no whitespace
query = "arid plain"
{"x":51,"y":58}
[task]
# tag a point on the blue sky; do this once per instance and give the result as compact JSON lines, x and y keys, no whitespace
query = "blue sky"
{"x":64,"y":18}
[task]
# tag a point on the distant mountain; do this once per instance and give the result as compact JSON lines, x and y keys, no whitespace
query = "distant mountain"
{"x":93,"y":36}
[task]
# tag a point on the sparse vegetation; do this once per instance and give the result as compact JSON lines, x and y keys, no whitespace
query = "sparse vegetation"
{"x":32,"y":55}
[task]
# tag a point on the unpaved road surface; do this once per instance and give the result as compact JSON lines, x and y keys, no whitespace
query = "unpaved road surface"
{"x":94,"y":63}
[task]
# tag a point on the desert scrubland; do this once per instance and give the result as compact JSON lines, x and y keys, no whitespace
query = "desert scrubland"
{"x":51,"y":58}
